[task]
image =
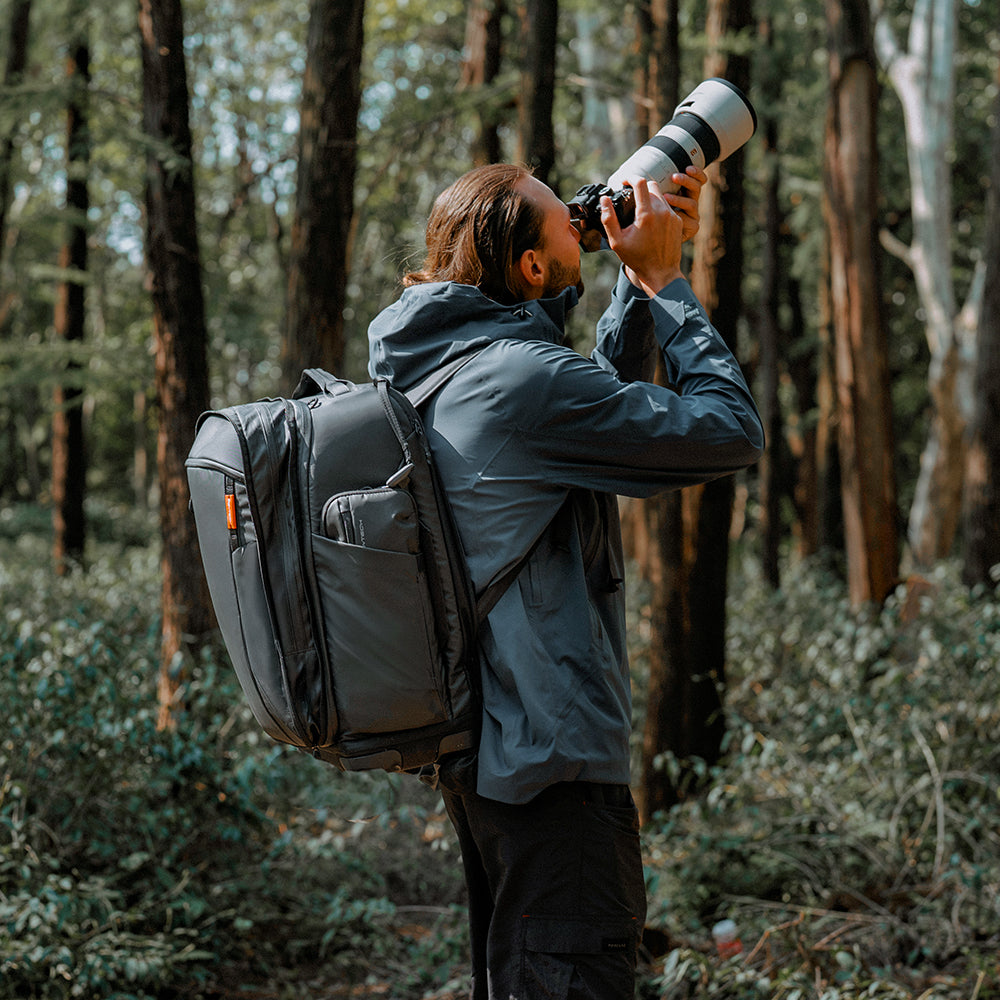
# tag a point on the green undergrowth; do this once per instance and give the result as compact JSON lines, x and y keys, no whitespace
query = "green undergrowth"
{"x":852,"y":830}
{"x":205,"y":861}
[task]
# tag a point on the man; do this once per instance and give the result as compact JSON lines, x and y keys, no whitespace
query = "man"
{"x":533,"y":442}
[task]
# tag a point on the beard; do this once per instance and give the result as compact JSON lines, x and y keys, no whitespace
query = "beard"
{"x":562,"y":277}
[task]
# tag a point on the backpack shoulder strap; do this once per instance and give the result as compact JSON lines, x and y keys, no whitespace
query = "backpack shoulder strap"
{"x":427,"y":386}
{"x":487,"y":600}
{"x":420,"y":394}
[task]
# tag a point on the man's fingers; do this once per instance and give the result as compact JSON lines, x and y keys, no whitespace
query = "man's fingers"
{"x":609,"y":219}
{"x":691,"y":182}
{"x":640,"y":190}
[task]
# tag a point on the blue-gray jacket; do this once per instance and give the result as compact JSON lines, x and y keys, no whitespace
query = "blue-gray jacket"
{"x":532,"y":440}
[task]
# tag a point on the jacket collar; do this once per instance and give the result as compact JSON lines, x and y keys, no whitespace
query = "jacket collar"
{"x":431,"y":323}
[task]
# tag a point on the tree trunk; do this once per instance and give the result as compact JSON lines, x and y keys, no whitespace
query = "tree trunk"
{"x":691,"y":528}
{"x":659,"y":73}
{"x":69,"y":466}
{"x":140,"y":452}
{"x":179,"y":327}
{"x":17,"y":59}
{"x":829,"y":514}
{"x":923,"y":78}
{"x":539,"y":28}
{"x":864,"y":402}
{"x":982,"y":498}
{"x":769,"y":334}
{"x":13,"y":407}
{"x":480,"y":67}
{"x":322,"y":229}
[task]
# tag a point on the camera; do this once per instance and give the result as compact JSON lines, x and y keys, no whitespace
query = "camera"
{"x":712,"y":122}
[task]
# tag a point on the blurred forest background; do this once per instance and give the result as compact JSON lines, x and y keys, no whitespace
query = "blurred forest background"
{"x":198,"y":199}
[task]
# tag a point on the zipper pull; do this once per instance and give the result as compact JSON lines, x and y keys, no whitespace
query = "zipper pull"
{"x":399,"y":477}
{"x":232,"y":517}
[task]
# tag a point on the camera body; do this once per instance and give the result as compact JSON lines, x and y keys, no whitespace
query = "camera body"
{"x":712,"y":122}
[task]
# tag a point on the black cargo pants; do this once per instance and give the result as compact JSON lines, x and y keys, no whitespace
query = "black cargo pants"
{"x":556,"y":892}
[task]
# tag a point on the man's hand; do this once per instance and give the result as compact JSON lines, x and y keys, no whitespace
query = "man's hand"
{"x":650,"y":248}
{"x":685,"y":201}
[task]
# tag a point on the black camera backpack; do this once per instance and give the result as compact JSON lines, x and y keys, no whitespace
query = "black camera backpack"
{"x":336,"y":573}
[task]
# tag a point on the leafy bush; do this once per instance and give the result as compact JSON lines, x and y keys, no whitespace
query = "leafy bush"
{"x":854,"y":827}
{"x":851,"y":830}
{"x":137,"y":863}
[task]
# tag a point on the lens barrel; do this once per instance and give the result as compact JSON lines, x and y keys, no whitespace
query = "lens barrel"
{"x":710,"y":124}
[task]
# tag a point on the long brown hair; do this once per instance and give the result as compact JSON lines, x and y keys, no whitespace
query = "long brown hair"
{"x":477,"y":231}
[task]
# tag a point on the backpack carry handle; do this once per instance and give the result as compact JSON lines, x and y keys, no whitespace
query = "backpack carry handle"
{"x":318,"y":382}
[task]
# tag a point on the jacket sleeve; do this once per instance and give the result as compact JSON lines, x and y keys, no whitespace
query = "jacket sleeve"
{"x":601,"y":423}
{"x":626,"y":341}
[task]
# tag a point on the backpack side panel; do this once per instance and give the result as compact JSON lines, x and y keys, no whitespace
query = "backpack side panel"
{"x":270,"y":439}
{"x":230,"y":555}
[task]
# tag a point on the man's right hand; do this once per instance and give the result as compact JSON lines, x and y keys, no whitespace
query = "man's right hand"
{"x":650,"y":248}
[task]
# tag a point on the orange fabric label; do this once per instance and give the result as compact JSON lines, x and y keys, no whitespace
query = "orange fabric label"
{"x":231,"y":512}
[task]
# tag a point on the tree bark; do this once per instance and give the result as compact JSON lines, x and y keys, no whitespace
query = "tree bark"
{"x":539,"y":28}
{"x":804,"y":432}
{"x":69,"y":465}
{"x":322,"y":229}
{"x":769,"y":334}
{"x":181,"y":379}
{"x":659,"y":73}
{"x":11,"y":412}
{"x":17,"y":60}
{"x":480,"y":67}
{"x":830,"y":517}
{"x":923,"y":77}
{"x":864,"y":401}
{"x":982,"y":498}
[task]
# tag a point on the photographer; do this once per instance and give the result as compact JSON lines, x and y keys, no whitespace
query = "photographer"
{"x":533,"y":442}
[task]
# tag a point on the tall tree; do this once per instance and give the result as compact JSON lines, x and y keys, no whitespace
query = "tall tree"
{"x":480,"y":68}
{"x":982,"y":499}
{"x":658,"y":36}
{"x":691,"y":528}
{"x":771,"y":479}
{"x":17,"y":60}
{"x":174,"y":262}
{"x":539,"y":29}
{"x":864,"y":403}
{"x":322,"y":228}
{"x":69,"y":466}
{"x":923,"y":77}
{"x":829,"y":522}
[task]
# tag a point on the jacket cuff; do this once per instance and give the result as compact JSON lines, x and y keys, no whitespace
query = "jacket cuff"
{"x":624,"y":290}
{"x":672,"y":306}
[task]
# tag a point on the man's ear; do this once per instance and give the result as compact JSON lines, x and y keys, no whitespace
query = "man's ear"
{"x":532,"y":272}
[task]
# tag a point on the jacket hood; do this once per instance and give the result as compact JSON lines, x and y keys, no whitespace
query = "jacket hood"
{"x":432,"y":323}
